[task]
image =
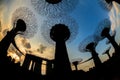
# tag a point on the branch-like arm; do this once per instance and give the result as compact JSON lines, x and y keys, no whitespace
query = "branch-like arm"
{"x":14,"y":44}
{"x":87,"y":60}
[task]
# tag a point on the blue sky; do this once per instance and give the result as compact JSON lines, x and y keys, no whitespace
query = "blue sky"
{"x":88,"y":15}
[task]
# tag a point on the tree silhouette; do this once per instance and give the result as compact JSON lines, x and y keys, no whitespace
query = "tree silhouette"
{"x":86,"y":60}
{"x":67,"y":20}
{"x":113,"y":34}
{"x":88,"y":45}
{"x":103,"y":31}
{"x":60,"y":33}
{"x":54,"y":8}
{"x":102,"y":25}
{"x":75,"y":62}
{"x":27,"y":15}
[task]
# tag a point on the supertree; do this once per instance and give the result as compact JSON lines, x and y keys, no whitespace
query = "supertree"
{"x":60,"y":33}
{"x":107,"y":4}
{"x":103,"y":31}
{"x":9,"y":38}
{"x":104,"y":24}
{"x":54,"y":8}
{"x":27,"y":15}
{"x":113,"y":34}
{"x":86,"y":60}
{"x":66,"y":20}
{"x":76,"y":61}
{"x":89,"y":45}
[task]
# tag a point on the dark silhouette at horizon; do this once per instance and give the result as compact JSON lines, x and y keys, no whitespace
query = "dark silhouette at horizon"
{"x":60,"y":67}
{"x":105,"y":33}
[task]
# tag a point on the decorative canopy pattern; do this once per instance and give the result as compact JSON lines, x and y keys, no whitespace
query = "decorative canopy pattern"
{"x":101,"y":26}
{"x":83,"y":44}
{"x":54,"y":8}
{"x":27,"y":15}
{"x":66,"y":20}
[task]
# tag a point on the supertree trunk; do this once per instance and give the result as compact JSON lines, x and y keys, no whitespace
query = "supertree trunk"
{"x":62,"y":68}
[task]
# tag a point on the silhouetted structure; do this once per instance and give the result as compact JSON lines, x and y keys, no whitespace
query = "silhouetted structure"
{"x":60,"y":33}
{"x":29,"y":18}
{"x":49,"y":22}
{"x":91,"y":47}
{"x":34,"y":63}
{"x":88,"y":45}
{"x":105,"y":33}
{"x":60,"y":67}
{"x":9,"y":38}
{"x":86,"y":60}
{"x":75,"y":64}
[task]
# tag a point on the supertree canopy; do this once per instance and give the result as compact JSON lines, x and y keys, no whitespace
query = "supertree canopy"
{"x":65,"y":20}
{"x":105,"y":24}
{"x":105,"y":4}
{"x":54,"y":7}
{"x":26,"y":15}
{"x":88,"y":40}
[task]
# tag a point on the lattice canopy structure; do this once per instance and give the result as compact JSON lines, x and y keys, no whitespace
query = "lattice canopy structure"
{"x":65,"y":20}
{"x":106,"y":23}
{"x":83,"y":44}
{"x":28,"y":16}
{"x":54,"y":8}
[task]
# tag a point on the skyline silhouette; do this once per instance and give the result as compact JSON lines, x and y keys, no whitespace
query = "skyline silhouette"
{"x":80,"y":32}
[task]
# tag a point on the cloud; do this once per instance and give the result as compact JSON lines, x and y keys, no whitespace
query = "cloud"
{"x":41,"y":48}
{"x":26,"y":44}
{"x":48,"y":52}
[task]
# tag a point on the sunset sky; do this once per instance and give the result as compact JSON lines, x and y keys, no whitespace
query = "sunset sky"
{"x":82,"y":21}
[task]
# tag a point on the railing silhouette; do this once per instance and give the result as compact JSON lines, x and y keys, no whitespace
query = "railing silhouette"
{"x":36,"y":65}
